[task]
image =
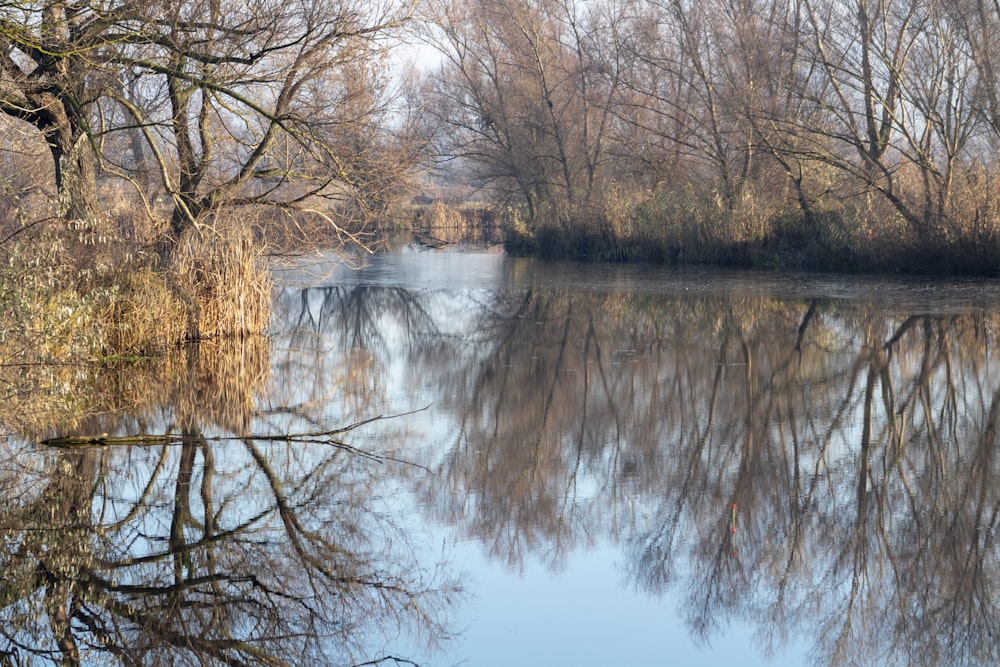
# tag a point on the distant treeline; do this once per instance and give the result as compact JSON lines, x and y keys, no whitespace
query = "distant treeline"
{"x":821,"y":133}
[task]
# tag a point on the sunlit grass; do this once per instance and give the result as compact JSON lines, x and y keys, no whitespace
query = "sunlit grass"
{"x":92,"y":324}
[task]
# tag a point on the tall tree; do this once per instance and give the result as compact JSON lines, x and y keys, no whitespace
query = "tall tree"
{"x":238,"y":104}
{"x":525,"y":90}
{"x":50,"y":74}
{"x":267,"y":104}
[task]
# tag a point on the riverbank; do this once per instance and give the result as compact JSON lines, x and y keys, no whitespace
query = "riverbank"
{"x":830,"y":241}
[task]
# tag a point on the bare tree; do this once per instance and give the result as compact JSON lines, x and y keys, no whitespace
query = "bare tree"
{"x":526,"y":90}
{"x":273,"y":104}
{"x":50,"y":75}
{"x":265,"y":103}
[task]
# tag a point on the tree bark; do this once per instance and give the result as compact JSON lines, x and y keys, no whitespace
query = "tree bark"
{"x":76,"y":177}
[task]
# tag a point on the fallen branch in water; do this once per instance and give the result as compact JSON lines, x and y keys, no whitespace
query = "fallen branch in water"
{"x":330,"y":438}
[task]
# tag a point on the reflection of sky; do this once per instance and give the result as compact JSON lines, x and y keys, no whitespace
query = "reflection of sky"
{"x":585,"y":615}
{"x":584,"y":612}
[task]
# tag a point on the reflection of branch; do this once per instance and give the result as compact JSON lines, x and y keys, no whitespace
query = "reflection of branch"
{"x":185,"y":549}
{"x":804,"y":325}
{"x":379,"y":661}
{"x":315,"y":550}
{"x":910,"y":321}
{"x":182,"y":585}
{"x":144,"y":496}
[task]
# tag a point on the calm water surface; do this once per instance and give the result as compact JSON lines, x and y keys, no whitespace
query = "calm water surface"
{"x":597,"y":433}
{"x":580,"y":465}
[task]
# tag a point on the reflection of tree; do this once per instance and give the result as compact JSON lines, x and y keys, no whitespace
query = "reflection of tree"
{"x":360,"y":318}
{"x":849,"y":484}
{"x":857,"y":445}
{"x":356,"y":312}
{"x":202,"y":553}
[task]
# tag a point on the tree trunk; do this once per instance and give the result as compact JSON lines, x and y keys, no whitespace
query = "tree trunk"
{"x":76,"y":176}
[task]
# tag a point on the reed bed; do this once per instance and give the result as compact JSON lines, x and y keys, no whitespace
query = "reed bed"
{"x":219,"y":266}
{"x":92,"y":323}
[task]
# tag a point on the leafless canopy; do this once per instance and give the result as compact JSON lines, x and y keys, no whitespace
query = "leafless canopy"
{"x":208,"y":103}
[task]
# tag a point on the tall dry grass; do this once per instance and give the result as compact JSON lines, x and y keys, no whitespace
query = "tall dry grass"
{"x":100,"y":297}
{"x":78,"y":302}
{"x":219,"y":266}
{"x":444,"y":223}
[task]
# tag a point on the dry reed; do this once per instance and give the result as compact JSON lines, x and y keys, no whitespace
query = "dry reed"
{"x":220,"y":267}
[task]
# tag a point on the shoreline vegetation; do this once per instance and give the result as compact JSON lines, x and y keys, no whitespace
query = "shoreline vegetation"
{"x":846,"y":135}
{"x":671,"y":231}
{"x":156,"y":161}
{"x":646,"y":233}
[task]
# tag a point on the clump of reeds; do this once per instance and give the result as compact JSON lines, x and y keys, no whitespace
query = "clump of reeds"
{"x":90,"y":328}
{"x":80,"y":290}
{"x":140,"y":314}
{"x":219,"y":266}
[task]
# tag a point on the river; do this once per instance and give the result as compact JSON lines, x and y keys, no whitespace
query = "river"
{"x":461,"y":457}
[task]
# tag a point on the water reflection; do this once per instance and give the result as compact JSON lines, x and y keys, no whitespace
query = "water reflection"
{"x":801,"y":456}
{"x":208,"y":546}
{"x":854,"y":439}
